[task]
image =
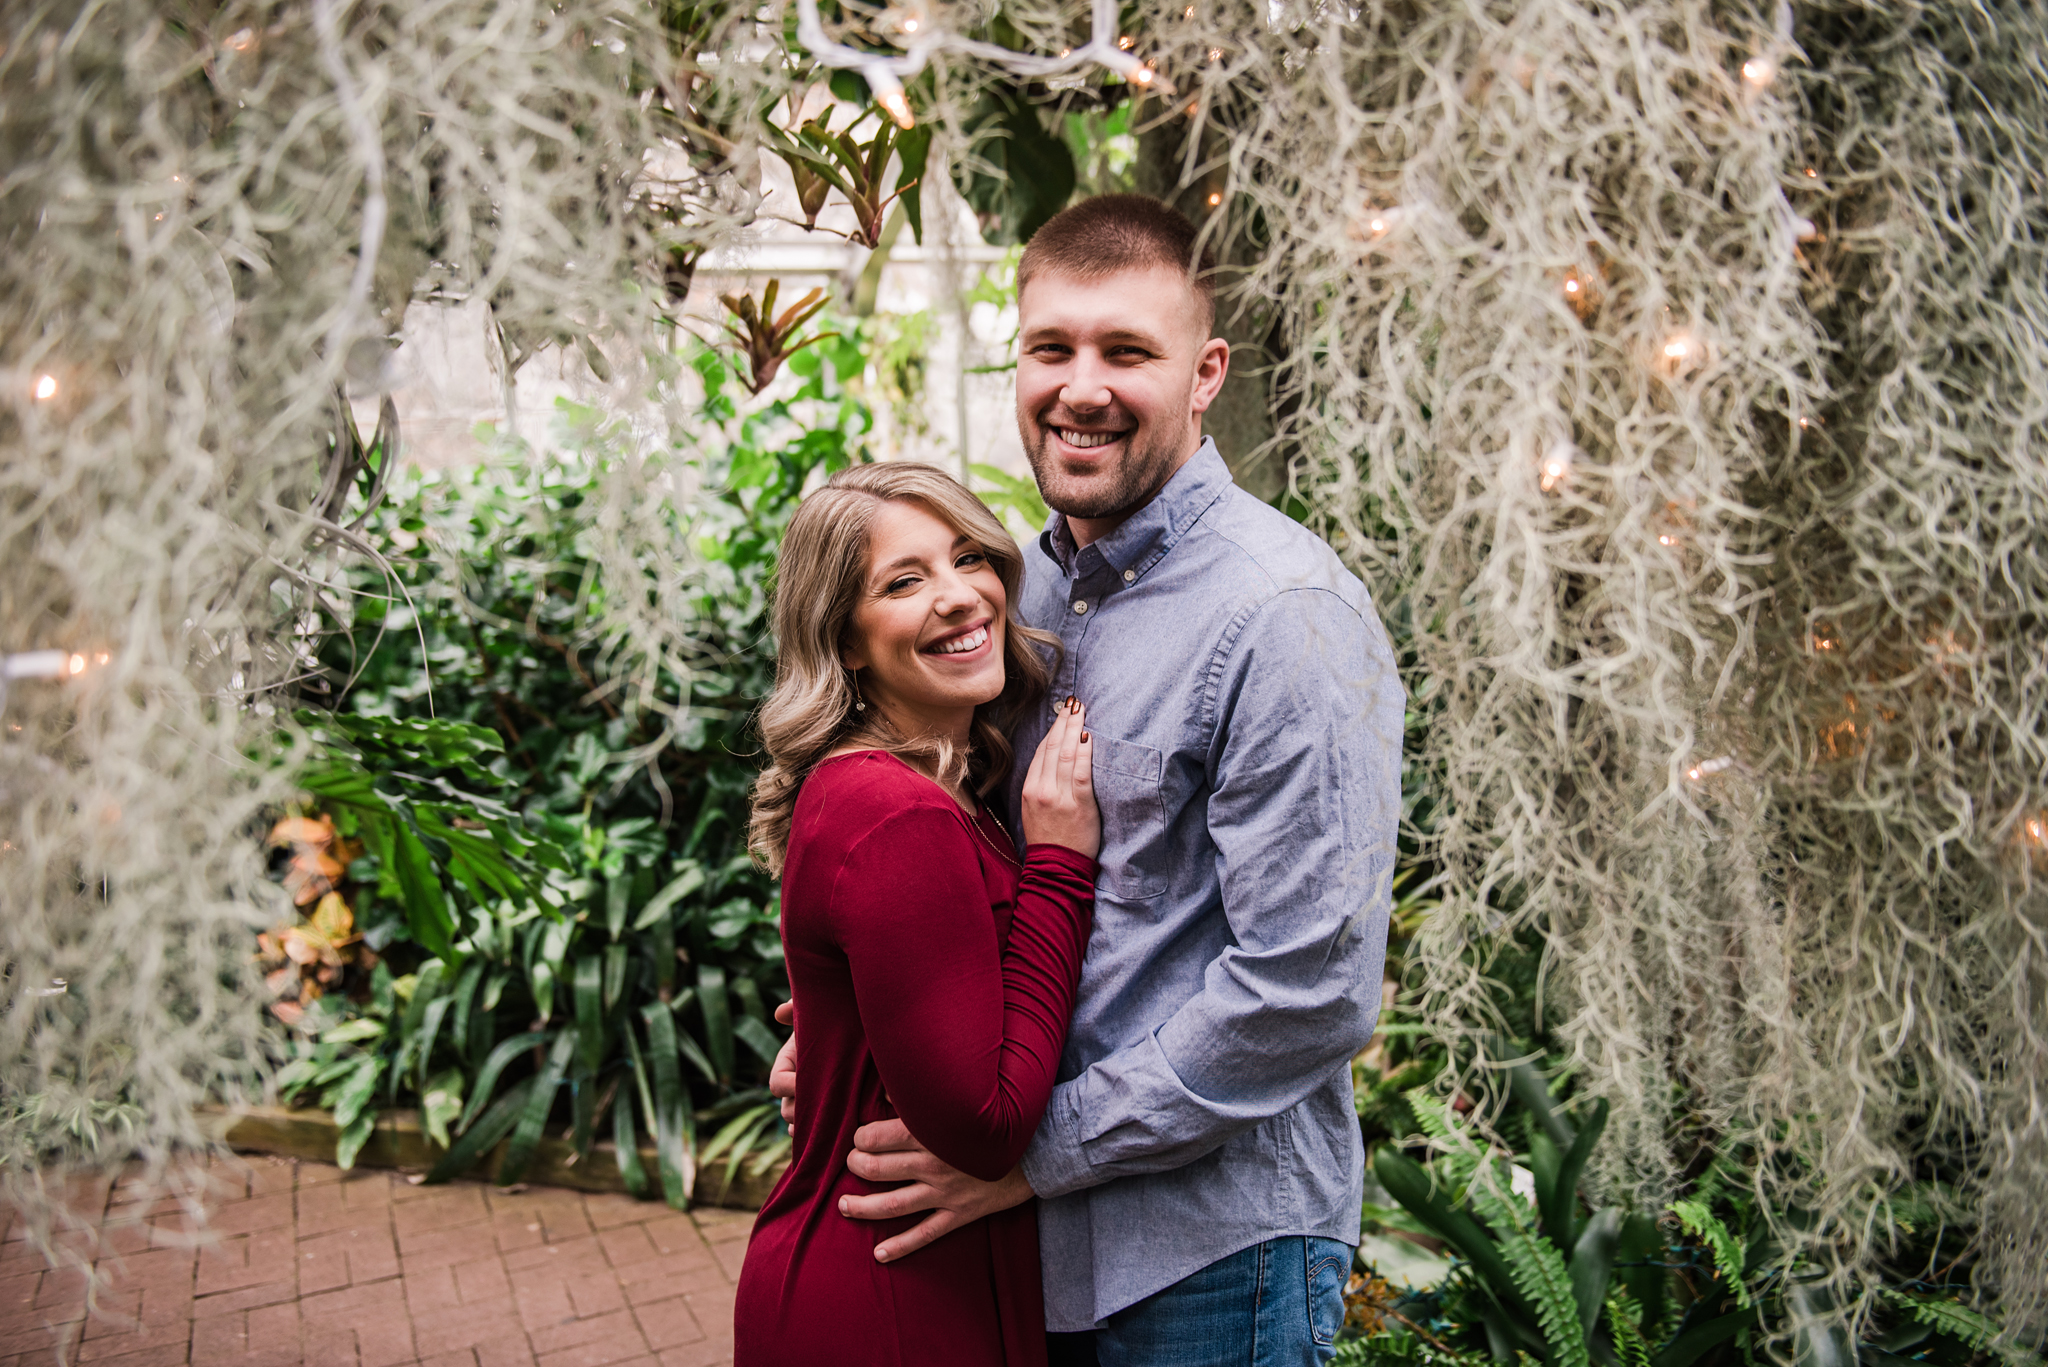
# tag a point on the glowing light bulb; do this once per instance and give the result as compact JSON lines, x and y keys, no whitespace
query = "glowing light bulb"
{"x":1143,"y":75}
{"x":45,"y":388}
{"x":1192,"y":109}
{"x":910,"y":25}
{"x":1678,"y":348}
{"x":1188,"y":13}
{"x":1214,"y":199}
{"x":1557,"y":466}
{"x":1804,"y":229}
{"x":898,"y":107}
{"x":1066,"y":52}
{"x":1758,"y":71}
{"x":1667,"y":540}
{"x":1571,"y":286}
{"x":1124,"y":42}
{"x":241,"y":39}
{"x":1812,"y":174}
{"x":76,"y":664}
{"x":1215,"y":54}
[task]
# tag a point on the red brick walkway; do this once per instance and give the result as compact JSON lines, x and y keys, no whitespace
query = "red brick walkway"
{"x":309,"y":1266}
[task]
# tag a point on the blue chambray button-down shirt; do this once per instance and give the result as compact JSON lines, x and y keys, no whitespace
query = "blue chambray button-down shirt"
{"x":1247,"y":721}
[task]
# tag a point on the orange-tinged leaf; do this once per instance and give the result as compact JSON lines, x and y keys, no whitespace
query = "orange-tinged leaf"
{"x":300,"y":947}
{"x":291,"y":1013}
{"x":332,"y":921}
{"x":303,"y":830}
{"x":285,"y":981}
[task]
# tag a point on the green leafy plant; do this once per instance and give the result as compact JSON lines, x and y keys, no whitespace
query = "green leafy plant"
{"x":768,"y":340}
{"x":563,"y":929}
{"x":1539,"y":1274}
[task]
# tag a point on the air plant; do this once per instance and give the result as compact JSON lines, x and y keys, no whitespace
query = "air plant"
{"x":821,"y":160}
{"x":766,"y":340}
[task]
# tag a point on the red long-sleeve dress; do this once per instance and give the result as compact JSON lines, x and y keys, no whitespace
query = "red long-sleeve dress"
{"x":933,"y":978}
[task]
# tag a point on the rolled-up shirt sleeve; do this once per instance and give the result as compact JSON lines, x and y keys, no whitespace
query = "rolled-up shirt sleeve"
{"x":1304,"y":777}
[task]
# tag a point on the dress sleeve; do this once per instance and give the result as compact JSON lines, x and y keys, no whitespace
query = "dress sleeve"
{"x":966,"y":1037}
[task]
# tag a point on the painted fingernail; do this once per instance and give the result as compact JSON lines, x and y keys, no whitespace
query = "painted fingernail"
{"x":1085,"y":738}
{"x":1070,"y":702}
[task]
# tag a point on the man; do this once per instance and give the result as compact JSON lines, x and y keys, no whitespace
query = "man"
{"x":1199,"y":1167}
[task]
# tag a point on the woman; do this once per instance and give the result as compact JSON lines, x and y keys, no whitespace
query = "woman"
{"x":933,"y":970}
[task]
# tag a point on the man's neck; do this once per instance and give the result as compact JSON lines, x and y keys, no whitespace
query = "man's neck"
{"x":1086,"y":530}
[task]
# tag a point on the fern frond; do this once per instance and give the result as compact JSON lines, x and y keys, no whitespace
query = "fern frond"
{"x":1539,"y":1273}
{"x":1728,"y":1260}
{"x":1435,"y":1117}
{"x":1625,"y":1318}
{"x":1494,"y":1200}
{"x":1953,"y":1318}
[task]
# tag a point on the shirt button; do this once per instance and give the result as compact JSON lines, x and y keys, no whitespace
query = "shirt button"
{"x":1080,"y":606}
{"x":1130,"y":576}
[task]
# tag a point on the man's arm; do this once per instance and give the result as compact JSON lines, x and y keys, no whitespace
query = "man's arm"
{"x":1303,"y":809}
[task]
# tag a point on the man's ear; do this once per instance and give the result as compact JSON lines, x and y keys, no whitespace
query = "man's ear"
{"x":1212,"y":365}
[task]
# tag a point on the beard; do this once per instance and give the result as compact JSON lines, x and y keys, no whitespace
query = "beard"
{"x":1149,"y":460}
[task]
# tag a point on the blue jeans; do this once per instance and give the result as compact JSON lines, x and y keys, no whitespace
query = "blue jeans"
{"x":1276,"y":1304}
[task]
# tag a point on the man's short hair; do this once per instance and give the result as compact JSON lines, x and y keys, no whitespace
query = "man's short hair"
{"x":1110,"y":234}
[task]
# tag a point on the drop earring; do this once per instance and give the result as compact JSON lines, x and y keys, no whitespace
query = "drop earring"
{"x":858,"y":704}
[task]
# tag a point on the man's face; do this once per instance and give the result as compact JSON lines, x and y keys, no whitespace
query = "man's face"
{"x":1113,"y":376}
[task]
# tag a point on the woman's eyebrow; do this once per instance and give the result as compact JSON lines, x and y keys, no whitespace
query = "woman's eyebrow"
{"x":915,"y":559}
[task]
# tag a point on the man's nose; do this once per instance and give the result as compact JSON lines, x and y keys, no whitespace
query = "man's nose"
{"x":1087,"y":384}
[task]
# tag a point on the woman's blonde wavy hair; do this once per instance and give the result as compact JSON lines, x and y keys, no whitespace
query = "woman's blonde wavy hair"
{"x":811,"y":710}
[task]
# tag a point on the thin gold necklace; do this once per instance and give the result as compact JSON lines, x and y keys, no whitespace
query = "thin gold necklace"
{"x":1009,"y":854}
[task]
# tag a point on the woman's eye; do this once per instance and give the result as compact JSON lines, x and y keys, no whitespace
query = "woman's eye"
{"x":973,"y":560}
{"x":899,"y":585}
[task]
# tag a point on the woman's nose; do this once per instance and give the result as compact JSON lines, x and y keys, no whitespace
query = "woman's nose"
{"x":954,"y":594}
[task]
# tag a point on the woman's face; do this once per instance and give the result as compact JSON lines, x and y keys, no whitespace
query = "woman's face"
{"x":926,"y":638}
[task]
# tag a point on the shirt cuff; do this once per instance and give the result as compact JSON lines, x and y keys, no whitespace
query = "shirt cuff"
{"x":1054,"y":1164}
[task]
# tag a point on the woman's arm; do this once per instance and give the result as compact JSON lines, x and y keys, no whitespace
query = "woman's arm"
{"x":967,"y":1038}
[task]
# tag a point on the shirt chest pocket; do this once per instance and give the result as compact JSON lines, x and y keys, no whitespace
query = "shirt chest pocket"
{"x":1127,"y":788}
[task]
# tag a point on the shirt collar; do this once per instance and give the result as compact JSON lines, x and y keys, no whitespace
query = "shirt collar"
{"x":1148,"y":534}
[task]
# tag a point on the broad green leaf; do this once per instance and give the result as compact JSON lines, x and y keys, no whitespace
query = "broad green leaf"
{"x":354,"y":1098}
{"x":441,"y":1103}
{"x":492,"y":1126}
{"x":487,"y":1076}
{"x":689,"y":878}
{"x":426,"y":907}
{"x":1592,"y":1264}
{"x":1560,"y":1217}
{"x":353,"y":1032}
{"x":349,"y":1142}
{"x":539,"y":1101}
{"x":717,"y":1013}
{"x":757,"y":1037}
{"x":588,"y":991}
{"x":674,"y":1140}
{"x":626,"y":1144}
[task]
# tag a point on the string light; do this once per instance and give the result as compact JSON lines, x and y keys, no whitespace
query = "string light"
{"x":1804,"y":230}
{"x":885,"y":73}
{"x":45,"y":388}
{"x":1214,"y":199}
{"x":1678,"y":348}
{"x":49,"y":664}
{"x":1215,"y":54}
{"x":241,"y":39}
{"x":1557,"y":465}
{"x":1758,"y":71}
{"x":1708,"y":768}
